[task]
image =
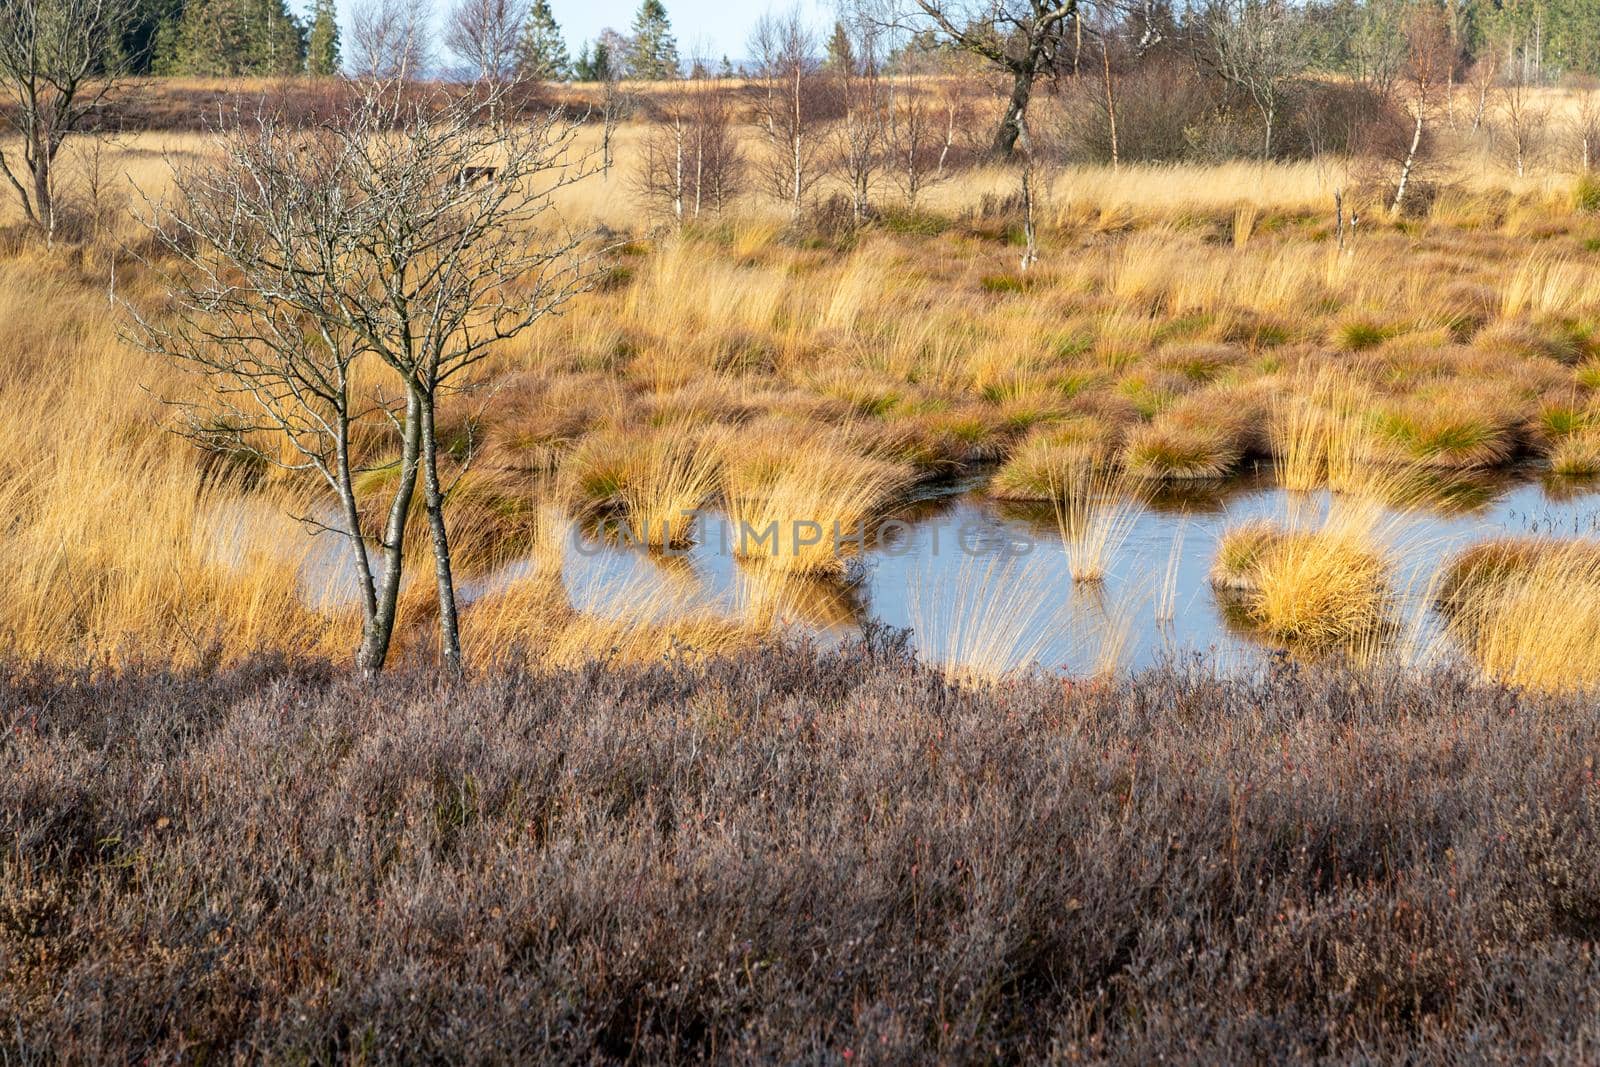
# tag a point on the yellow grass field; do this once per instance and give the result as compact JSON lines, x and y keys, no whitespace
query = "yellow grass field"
{"x":1170,"y":328}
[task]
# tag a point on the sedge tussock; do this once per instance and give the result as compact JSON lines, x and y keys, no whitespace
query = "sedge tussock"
{"x":1528,"y":612}
{"x":1318,"y":588}
{"x":1318,"y":432}
{"x":1096,"y":506}
{"x":805,"y":506}
{"x":674,"y":476}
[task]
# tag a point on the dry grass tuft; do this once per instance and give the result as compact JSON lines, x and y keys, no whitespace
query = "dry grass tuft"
{"x":1322,"y":588}
{"x":794,"y":505}
{"x":988,"y":621}
{"x":1036,"y":469}
{"x":1096,"y":506}
{"x":1528,"y":611}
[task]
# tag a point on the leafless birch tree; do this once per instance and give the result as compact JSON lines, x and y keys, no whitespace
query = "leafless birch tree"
{"x":858,"y":84}
{"x":785,"y":103}
{"x":1259,"y":46}
{"x":1424,"y":84}
{"x":389,"y":40}
{"x":310,"y":252}
{"x":483,"y":34}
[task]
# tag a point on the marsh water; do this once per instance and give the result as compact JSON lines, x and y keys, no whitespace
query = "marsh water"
{"x":980,"y":579}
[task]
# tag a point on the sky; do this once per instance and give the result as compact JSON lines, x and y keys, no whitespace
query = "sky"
{"x":723,"y":26}
{"x":719,"y":27}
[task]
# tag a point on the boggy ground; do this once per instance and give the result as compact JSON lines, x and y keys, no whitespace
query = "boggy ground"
{"x":794,"y":855}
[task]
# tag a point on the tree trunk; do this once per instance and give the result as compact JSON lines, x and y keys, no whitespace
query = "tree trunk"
{"x":1411,"y":158}
{"x":43,"y":194}
{"x":352,"y":524}
{"x":1011,"y":126}
{"x":376,"y":634}
{"x":433,"y":502}
{"x":1111,"y":106}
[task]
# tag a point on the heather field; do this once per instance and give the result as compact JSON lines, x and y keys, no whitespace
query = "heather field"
{"x":793,"y":855}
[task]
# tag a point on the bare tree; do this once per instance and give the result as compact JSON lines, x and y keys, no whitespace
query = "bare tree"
{"x":1424,"y":84}
{"x":1030,"y":235}
{"x":311,"y":252}
{"x":955,"y":102}
{"x":58,"y":67}
{"x":1107,"y":36}
{"x":1259,"y":47}
{"x":786,"y":95}
{"x":389,"y":40}
{"x":1482,"y":78}
{"x":1021,"y":38}
{"x":617,"y":102}
{"x":691,"y":162}
{"x":916,"y":132}
{"x":1585,"y":121}
{"x":484,"y":35}
{"x":860,"y":88}
{"x":1523,"y":118}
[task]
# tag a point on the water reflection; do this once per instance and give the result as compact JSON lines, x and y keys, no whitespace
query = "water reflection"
{"x":983,"y":580}
{"x":989,"y":581}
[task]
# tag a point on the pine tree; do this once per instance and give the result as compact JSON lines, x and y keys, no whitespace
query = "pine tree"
{"x":235,"y":37}
{"x":841,"y":53}
{"x":727,"y":70}
{"x":654,"y":55}
{"x":541,"y":51}
{"x":322,"y":45}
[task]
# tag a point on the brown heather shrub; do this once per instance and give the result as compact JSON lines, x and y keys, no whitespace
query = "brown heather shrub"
{"x":797,"y":856}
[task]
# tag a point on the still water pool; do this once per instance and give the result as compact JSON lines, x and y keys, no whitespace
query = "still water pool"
{"x":983,"y":580}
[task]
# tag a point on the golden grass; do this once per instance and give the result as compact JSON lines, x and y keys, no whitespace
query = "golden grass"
{"x":1318,"y":431}
{"x":1321,"y":588}
{"x":1095,"y":507}
{"x":1037,"y":469}
{"x":673,"y":476}
{"x":1528,"y":611}
{"x":1170,"y":302}
{"x":1577,"y":455}
{"x":802,"y":505}
{"x":635,"y":621}
{"x":988,"y":619}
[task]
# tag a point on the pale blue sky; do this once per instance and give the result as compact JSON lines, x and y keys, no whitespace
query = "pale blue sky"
{"x":720,"y":27}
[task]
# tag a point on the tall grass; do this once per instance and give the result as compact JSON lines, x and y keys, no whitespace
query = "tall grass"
{"x":988,"y":619}
{"x":1528,"y":611}
{"x":675,"y":474}
{"x":1096,"y":506}
{"x":1322,"y":586}
{"x":804,"y":506}
{"x":1199,"y":290}
{"x":1319,"y":433}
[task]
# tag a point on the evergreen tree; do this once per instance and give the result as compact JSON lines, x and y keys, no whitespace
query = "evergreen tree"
{"x":541,"y":51}
{"x":841,"y":53}
{"x":322,"y":44}
{"x":727,"y":70}
{"x":654,"y":54}
{"x":143,"y":31}
{"x":235,"y":37}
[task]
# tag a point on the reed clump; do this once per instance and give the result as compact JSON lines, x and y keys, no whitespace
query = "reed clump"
{"x":805,"y":505}
{"x":1528,"y":610}
{"x":1320,"y":588}
{"x":1095,"y":506}
{"x":1035,"y":469}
